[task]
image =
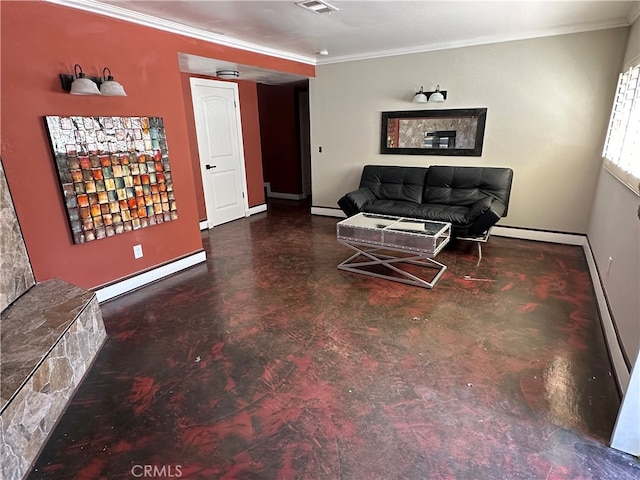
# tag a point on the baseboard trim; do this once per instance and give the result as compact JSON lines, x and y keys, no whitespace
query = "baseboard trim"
{"x":204,"y":224}
{"x":286,"y":196}
{"x":539,"y":235}
{"x":283,"y":196}
{"x":140,"y":280}
{"x":328,"y":212}
{"x":257,"y":209}
{"x":620,"y":368}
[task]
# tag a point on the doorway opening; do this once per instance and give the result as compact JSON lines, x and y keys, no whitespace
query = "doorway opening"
{"x":285,"y":141}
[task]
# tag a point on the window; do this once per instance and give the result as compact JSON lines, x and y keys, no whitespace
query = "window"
{"x":622,"y":144}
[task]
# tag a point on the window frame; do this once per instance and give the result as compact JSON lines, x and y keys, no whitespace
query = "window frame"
{"x":623,"y":132}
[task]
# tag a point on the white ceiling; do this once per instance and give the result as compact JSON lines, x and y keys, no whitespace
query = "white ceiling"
{"x":360,"y":29}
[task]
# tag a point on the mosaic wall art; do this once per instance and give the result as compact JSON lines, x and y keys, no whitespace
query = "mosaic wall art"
{"x":114,"y":173}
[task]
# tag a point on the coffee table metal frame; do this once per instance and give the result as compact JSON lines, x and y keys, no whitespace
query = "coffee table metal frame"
{"x":391,"y":242}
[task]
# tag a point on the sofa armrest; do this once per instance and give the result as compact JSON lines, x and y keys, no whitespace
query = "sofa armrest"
{"x":354,"y":202}
{"x":479,"y":208}
{"x":484,"y":214}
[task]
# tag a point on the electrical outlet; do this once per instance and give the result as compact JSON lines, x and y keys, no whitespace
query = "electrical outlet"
{"x":137,"y":251}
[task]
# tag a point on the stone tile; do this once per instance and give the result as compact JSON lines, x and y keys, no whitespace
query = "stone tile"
{"x":17,"y":276}
{"x":30,"y":413}
{"x":32,"y":326}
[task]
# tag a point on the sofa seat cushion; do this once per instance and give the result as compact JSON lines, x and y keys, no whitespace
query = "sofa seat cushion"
{"x":430,"y":211}
{"x":456,"y":215}
{"x":396,"y":208}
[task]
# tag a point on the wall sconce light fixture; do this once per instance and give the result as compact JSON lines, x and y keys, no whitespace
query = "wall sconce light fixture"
{"x":228,"y":74}
{"x":80,"y":84}
{"x":109,"y":86}
{"x":433,"y":97}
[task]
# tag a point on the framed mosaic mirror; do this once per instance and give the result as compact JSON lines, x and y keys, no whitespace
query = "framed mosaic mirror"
{"x":455,"y":132}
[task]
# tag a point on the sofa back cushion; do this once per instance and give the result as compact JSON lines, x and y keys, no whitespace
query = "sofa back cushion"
{"x":394,"y":183}
{"x":464,"y":186}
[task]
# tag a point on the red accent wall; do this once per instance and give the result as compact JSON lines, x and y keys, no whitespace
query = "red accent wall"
{"x":279,"y":136}
{"x":40,"y":41}
{"x":249,"y":111}
{"x":247,"y":91}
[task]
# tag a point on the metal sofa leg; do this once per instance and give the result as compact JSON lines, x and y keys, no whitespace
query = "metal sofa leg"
{"x":479,"y":241}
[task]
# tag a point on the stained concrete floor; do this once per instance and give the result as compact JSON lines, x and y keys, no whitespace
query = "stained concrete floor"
{"x":269,"y":363}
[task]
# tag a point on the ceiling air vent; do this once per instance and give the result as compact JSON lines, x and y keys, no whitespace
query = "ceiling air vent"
{"x":317,"y":6}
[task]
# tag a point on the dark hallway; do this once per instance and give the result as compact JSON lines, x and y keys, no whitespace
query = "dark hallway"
{"x":269,"y":363}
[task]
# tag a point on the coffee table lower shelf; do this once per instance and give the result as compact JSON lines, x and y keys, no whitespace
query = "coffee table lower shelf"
{"x":374,"y":256}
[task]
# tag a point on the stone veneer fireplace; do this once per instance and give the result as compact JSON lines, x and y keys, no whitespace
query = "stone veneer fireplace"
{"x":50,"y":333}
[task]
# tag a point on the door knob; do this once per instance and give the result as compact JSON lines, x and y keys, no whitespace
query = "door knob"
{"x":209,"y":167}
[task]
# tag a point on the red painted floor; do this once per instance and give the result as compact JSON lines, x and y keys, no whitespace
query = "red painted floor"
{"x":269,"y":363}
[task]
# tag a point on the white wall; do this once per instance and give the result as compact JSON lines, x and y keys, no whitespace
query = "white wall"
{"x":548,"y":106}
{"x":548,"y":103}
{"x":614,"y":231}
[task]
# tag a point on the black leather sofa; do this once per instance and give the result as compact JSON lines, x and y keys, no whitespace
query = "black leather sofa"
{"x":472,"y":199}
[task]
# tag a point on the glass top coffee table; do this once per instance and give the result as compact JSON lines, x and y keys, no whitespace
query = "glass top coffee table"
{"x":394,"y":248}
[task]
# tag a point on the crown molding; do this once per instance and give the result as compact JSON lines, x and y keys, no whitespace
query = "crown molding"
{"x":119,"y":13}
{"x":587,"y":27}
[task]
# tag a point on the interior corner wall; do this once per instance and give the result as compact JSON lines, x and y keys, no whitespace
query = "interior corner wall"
{"x":280,"y":138}
{"x":247,"y":92}
{"x":40,"y":40}
{"x":249,"y":110}
{"x":614,"y":233}
{"x":548,"y":102}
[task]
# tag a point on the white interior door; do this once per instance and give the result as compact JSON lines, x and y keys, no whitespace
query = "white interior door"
{"x":218,"y":128}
